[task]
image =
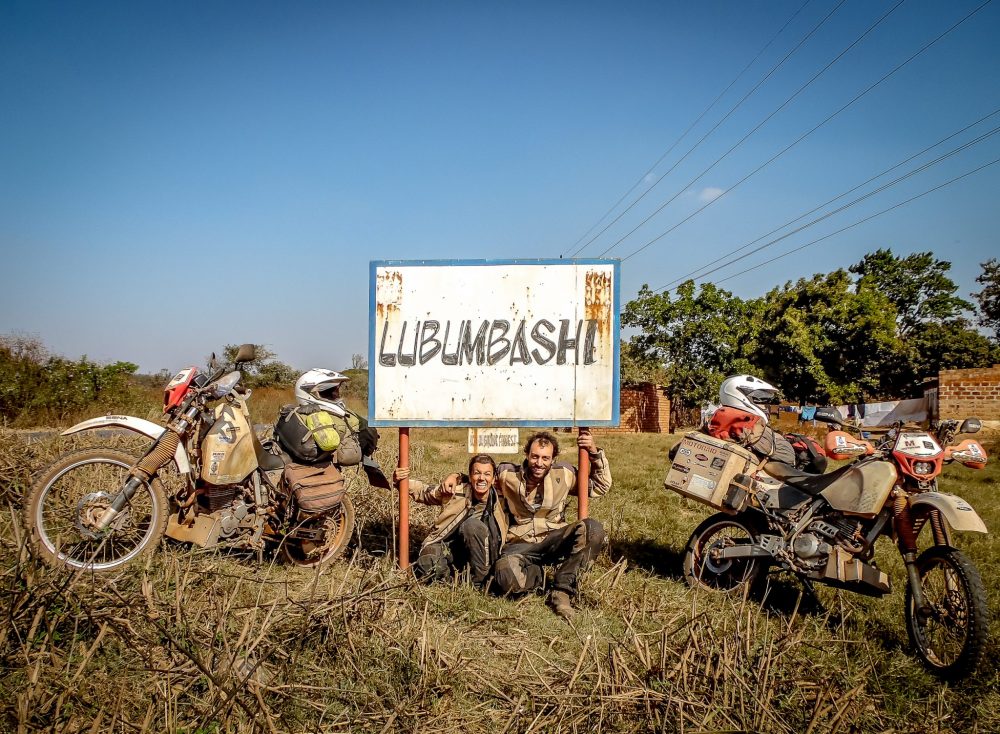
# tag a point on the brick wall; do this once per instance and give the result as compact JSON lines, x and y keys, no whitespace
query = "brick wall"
{"x":643,"y":409}
{"x":964,"y":393}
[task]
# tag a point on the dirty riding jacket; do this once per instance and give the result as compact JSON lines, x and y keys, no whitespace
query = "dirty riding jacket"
{"x":453,"y":510}
{"x":533,"y":519}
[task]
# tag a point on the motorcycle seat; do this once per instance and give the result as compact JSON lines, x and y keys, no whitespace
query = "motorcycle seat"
{"x":811,"y":484}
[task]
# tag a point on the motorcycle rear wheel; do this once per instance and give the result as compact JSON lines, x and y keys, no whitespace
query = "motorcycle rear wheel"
{"x":339,"y":527}
{"x":703,"y":567}
{"x":951,"y":638}
{"x":66,"y":501}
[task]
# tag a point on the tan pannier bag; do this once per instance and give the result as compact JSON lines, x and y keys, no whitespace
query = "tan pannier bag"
{"x":315,"y":488}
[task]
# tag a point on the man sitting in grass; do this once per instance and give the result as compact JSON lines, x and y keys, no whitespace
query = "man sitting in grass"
{"x":537,"y":493}
{"x":469,"y":530}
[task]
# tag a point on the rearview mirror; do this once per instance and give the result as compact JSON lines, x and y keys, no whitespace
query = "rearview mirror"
{"x":246,"y":353}
{"x":970,"y":425}
{"x":829,"y":415}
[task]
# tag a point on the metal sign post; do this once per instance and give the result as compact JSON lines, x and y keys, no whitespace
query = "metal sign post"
{"x":583,"y":481}
{"x":493,"y":344}
{"x":404,"y":500}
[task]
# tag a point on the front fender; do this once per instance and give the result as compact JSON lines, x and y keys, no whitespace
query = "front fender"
{"x":137,"y":425}
{"x":956,"y":511}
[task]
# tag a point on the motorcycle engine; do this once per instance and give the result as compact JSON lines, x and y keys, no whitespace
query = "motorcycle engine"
{"x":231,"y":518}
{"x":808,"y":547}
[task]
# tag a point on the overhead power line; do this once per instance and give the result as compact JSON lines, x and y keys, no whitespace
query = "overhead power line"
{"x":860,"y":221}
{"x":704,"y":269}
{"x":689,"y":129}
{"x":759,"y":125}
{"x":703,"y":138}
{"x":798,"y":140}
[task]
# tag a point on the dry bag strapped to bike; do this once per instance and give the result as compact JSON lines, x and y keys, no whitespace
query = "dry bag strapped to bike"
{"x":315,"y":488}
{"x":809,"y":455}
{"x":310,"y":434}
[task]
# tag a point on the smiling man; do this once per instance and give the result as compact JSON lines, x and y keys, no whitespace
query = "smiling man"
{"x":469,"y":530}
{"x":537,"y":493}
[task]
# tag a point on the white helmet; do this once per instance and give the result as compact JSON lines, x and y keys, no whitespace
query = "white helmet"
{"x":748,"y":393}
{"x":317,"y":387}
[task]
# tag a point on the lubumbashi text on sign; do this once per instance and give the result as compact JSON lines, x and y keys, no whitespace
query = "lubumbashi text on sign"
{"x":489,"y":342}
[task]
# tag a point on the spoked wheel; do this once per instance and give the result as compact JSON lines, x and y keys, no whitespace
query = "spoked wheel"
{"x":67,"y":501}
{"x":319,"y":539}
{"x":704,"y":564}
{"x":949,"y":634}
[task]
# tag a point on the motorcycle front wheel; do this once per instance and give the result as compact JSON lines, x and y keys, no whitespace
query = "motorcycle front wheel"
{"x":319,"y":539}
{"x":703,"y":565}
{"x":949,"y":635}
{"x":66,"y":502}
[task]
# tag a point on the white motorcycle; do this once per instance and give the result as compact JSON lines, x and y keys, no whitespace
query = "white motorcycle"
{"x":824,"y":527}
{"x":99,"y":509}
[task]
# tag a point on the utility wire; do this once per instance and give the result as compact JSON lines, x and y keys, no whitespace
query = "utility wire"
{"x":733,"y":109}
{"x":860,"y":221}
{"x":759,"y":125}
{"x":879,"y":190}
{"x":701,"y":271}
{"x":792,"y":144}
{"x":689,"y":129}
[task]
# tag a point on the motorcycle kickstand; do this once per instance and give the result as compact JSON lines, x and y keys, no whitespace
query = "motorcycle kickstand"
{"x":810,"y":594}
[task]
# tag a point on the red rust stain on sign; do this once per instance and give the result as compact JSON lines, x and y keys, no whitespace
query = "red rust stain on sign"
{"x":597,"y":300}
{"x":388,"y":292}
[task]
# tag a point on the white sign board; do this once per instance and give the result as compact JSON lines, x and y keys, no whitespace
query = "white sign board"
{"x":494,"y":441}
{"x":494,"y":343}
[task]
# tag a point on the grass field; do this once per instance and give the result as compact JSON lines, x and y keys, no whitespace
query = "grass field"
{"x":217,"y":642}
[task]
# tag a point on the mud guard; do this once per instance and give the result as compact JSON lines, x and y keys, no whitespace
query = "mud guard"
{"x":956,"y":511}
{"x":136,"y":425}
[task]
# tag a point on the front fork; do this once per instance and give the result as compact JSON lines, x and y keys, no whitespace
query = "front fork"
{"x":161,"y":452}
{"x":906,"y":536}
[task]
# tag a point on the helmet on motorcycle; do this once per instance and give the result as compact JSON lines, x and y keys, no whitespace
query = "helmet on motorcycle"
{"x":746,"y":392}
{"x":321,"y":387}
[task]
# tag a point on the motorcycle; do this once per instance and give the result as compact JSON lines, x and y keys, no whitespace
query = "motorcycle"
{"x":99,"y":509}
{"x":823,"y":528}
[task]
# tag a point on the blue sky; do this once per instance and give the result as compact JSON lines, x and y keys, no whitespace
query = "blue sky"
{"x":177,"y":176}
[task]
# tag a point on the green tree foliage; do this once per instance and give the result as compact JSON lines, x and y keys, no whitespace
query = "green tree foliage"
{"x":820,"y":341}
{"x":936,"y":336}
{"x":989,"y":296}
{"x":636,"y":368}
{"x":949,"y":345}
{"x":263,"y":370}
{"x":36,"y":383}
{"x":917,"y":285}
{"x":699,"y":337}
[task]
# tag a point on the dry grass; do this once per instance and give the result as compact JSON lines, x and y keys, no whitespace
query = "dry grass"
{"x":215,"y":642}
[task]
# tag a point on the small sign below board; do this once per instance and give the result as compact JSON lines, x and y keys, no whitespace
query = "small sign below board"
{"x":493,"y":441}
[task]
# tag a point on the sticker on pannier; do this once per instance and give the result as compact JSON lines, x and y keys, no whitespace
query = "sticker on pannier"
{"x":316,"y":489}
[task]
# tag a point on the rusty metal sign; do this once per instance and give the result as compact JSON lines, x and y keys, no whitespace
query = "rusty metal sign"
{"x":494,"y":343}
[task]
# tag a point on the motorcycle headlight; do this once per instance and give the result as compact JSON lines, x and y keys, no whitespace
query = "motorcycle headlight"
{"x":923,"y":467}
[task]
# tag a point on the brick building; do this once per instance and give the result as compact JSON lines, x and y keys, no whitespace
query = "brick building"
{"x":975,"y":392}
{"x":644,"y":408}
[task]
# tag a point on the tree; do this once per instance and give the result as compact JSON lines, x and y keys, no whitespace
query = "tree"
{"x":819,"y":341}
{"x":359,"y":362}
{"x":917,"y":285}
{"x":636,"y":367}
{"x":950,"y":345}
{"x":37,"y":385}
{"x":989,"y":296}
{"x":698,"y":338}
{"x":263,"y":370}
